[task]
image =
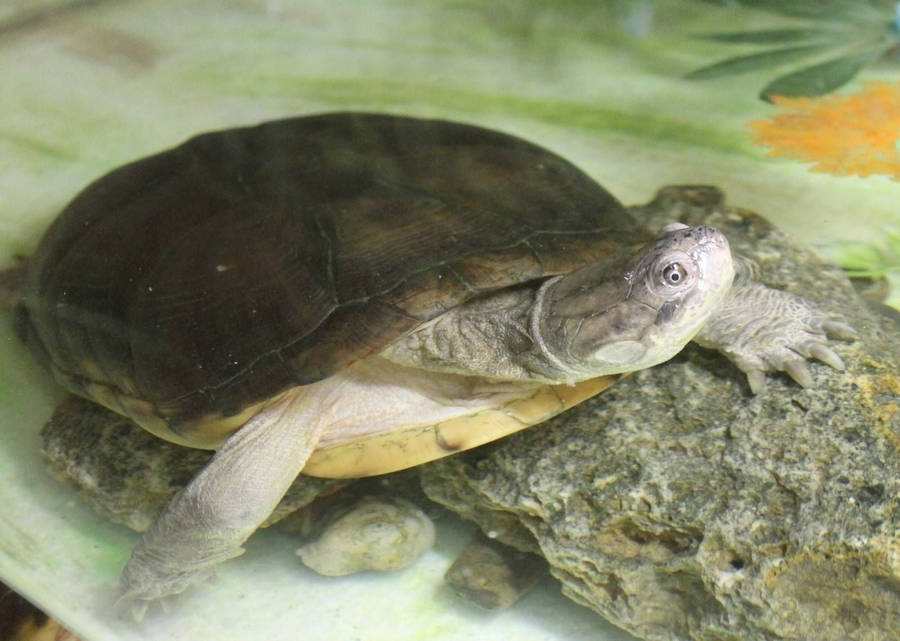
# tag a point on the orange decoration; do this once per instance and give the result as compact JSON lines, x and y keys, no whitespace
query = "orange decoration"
{"x":843,"y":135}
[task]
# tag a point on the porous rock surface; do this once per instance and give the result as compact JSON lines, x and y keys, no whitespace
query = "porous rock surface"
{"x":679,"y":506}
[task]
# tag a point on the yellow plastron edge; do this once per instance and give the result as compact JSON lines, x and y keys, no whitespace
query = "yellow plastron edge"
{"x":397,"y":450}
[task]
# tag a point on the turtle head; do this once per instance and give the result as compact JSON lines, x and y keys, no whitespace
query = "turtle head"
{"x":636,"y":310}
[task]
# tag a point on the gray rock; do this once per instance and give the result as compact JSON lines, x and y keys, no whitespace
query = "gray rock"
{"x":493,"y":576}
{"x":679,"y":506}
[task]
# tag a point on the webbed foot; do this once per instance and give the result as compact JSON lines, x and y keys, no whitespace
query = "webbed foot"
{"x":762,"y":330}
{"x":152,"y":578}
{"x":208,"y":521}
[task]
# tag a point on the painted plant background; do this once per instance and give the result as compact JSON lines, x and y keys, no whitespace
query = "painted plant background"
{"x":825,"y":46}
{"x":789,"y":106}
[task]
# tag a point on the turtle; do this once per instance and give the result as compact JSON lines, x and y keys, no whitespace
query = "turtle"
{"x":347,"y":294}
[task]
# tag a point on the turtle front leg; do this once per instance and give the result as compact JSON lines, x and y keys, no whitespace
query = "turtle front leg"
{"x":761,"y":330}
{"x":208,"y":521}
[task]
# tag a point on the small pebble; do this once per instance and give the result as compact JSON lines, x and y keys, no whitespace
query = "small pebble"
{"x":374,"y":534}
{"x":493,"y":576}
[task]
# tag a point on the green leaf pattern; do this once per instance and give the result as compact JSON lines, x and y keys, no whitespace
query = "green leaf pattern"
{"x":755,"y":61}
{"x":822,"y":78}
{"x":858,"y":32}
{"x":860,"y":260}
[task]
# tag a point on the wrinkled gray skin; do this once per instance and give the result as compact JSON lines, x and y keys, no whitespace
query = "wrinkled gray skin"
{"x":609,"y":319}
{"x":602,"y":319}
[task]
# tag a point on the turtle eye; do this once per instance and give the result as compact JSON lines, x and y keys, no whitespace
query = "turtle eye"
{"x":674,"y":274}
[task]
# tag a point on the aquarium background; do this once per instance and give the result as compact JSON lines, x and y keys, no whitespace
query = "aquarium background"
{"x":638,"y":93}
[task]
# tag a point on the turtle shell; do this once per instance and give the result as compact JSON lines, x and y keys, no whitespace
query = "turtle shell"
{"x":185,"y":289}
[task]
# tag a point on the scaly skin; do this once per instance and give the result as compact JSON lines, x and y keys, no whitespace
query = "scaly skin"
{"x":607,"y":318}
{"x":209,"y":520}
{"x":762,"y":330}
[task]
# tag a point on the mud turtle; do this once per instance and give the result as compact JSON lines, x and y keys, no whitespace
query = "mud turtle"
{"x":351,"y":294}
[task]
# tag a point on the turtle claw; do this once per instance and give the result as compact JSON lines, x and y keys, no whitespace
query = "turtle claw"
{"x":139,"y":607}
{"x":151,"y":581}
{"x":826,"y":355}
{"x":756,"y":378}
{"x":139,"y":610}
{"x":798,"y":371}
{"x":838,"y":329}
{"x":767,"y":330}
{"x":128,"y":604}
{"x":139,"y":600}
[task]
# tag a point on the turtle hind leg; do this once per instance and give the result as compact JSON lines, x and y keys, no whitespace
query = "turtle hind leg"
{"x":761,"y":330}
{"x":208,"y":521}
